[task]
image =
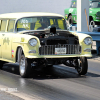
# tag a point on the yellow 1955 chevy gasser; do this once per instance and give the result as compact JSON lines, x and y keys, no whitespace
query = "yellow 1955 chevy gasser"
{"x":38,"y":39}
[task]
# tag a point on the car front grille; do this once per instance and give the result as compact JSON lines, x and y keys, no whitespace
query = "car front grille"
{"x":50,"y":49}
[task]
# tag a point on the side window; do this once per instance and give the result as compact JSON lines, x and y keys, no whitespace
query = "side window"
{"x":23,"y":25}
{"x":3,"y":25}
{"x":11,"y":25}
{"x":60,"y":23}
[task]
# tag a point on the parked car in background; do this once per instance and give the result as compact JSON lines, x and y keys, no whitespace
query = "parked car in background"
{"x":37,"y":39}
{"x":94,"y":12}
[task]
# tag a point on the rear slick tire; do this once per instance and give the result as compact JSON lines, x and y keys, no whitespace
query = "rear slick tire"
{"x":1,"y":64}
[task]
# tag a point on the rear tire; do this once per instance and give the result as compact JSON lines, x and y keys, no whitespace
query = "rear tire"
{"x":82,"y":66}
{"x":1,"y":64}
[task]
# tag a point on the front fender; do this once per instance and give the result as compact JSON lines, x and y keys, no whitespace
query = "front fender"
{"x":22,"y":41}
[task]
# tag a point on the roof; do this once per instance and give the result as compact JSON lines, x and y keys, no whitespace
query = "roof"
{"x":27,"y":14}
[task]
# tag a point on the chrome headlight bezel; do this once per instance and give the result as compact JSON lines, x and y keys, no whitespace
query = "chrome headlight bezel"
{"x":32,"y":42}
{"x":88,"y":41}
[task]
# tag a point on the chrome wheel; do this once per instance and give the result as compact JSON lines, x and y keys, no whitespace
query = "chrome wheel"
{"x":25,"y":66}
{"x":79,"y":66}
{"x":22,"y":65}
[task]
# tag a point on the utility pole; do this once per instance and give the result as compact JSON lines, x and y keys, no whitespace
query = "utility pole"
{"x":83,"y":15}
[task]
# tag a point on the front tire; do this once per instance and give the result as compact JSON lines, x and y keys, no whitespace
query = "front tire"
{"x":24,"y":66}
{"x":82,"y":66}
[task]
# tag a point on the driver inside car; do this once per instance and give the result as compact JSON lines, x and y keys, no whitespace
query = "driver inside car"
{"x":44,"y":23}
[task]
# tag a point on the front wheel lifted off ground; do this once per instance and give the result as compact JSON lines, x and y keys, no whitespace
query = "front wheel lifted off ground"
{"x":24,"y":66}
{"x":82,"y":65}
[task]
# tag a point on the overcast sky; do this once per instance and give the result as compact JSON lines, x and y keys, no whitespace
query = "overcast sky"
{"x":54,"y":6}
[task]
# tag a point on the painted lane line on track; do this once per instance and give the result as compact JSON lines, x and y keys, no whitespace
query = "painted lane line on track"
{"x":18,"y":94}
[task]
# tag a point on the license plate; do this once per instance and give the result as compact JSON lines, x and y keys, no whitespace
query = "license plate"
{"x":60,"y":50}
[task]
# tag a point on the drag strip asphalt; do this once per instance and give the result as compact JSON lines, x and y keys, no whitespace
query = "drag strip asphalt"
{"x":57,"y":83}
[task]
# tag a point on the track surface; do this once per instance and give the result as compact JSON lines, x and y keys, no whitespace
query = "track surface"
{"x":57,"y":83}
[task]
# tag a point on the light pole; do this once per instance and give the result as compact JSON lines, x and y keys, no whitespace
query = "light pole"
{"x":82,"y":15}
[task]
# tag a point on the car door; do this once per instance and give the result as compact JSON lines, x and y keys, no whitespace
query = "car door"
{"x":3,"y":40}
{"x":6,"y":48}
{"x":7,"y":40}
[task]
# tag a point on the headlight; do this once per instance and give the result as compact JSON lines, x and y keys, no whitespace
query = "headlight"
{"x":88,"y":41}
{"x":98,"y":13}
{"x":32,"y":42}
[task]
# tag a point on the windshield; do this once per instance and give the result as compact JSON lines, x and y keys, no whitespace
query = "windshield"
{"x":94,"y":4}
{"x":40,"y":23}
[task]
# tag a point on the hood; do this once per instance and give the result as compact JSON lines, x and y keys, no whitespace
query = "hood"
{"x":94,"y":10}
{"x":81,"y":35}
